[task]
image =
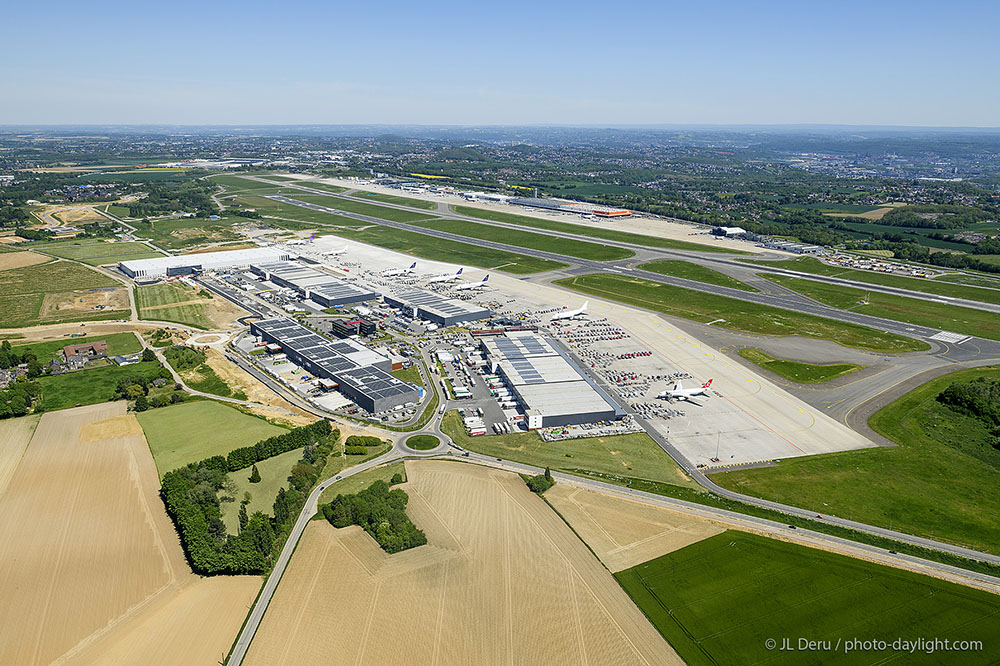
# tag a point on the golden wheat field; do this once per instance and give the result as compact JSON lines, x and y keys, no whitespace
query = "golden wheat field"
{"x":91,"y":570}
{"x":502,"y":580}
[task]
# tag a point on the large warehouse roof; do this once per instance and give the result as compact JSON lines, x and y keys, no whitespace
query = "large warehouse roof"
{"x":323,"y":288}
{"x":450,"y":310}
{"x":337,"y":355}
{"x":204,"y":261}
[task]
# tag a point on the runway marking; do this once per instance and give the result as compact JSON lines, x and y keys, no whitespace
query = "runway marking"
{"x":947,"y":336}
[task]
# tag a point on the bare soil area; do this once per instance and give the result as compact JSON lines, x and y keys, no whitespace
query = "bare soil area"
{"x":83,"y":300}
{"x":501,"y":580}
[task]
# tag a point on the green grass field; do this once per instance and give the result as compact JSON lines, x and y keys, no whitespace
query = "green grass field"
{"x":410,"y":374}
{"x":910,"y":310}
{"x":803,"y":373}
{"x":183,"y":233}
{"x":336,"y":464}
{"x":149,"y":300}
{"x":273,"y":476}
{"x":391,"y":199}
{"x":940,"y":482}
{"x":594,"y":232}
{"x":335,"y":189}
{"x":185,"y":433}
{"x":119,"y":344}
{"x":422,"y":442}
{"x":362,"y":480}
{"x":304,"y":216}
{"x":428,"y":247}
{"x":719,"y":600}
{"x":993,"y":259}
{"x":633,"y":455}
{"x":736,"y":314}
{"x":529,"y":239}
{"x":362,"y":208}
{"x":22,"y":291}
{"x":86,"y":387}
{"x":816,"y":267}
{"x":690,"y":271}
{"x":978,"y":280}
{"x":97,"y":252}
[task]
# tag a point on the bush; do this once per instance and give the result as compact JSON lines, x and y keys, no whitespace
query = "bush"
{"x":540,"y":483}
{"x":396,"y":479}
{"x":380,"y":512}
{"x":356,"y":450}
{"x":364,"y":440}
{"x":184,"y":358}
{"x":255,"y":475}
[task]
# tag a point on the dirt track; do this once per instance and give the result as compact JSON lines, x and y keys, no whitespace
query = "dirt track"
{"x":502,"y":580}
{"x":90,"y":556}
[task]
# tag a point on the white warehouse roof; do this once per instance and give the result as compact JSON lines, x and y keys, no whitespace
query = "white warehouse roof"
{"x":206,"y":261}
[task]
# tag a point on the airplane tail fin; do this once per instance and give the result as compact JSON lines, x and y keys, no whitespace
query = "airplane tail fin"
{"x":459,"y":271}
{"x":486,"y":278}
{"x":413,"y":265}
{"x":708,"y":384}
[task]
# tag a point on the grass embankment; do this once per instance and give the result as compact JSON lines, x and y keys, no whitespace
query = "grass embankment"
{"x":189,"y":432}
{"x":422,"y":442}
{"x":362,"y":480}
{"x":803,"y":373}
{"x":817,"y":267}
{"x":593,"y":232}
{"x":940,"y":482}
{"x":335,"y":189}
{"x":410,"y":374}
{"x":736,"y":314}
{"x":56,"y":285}
{"x":95,"y":252}
{"x":302,"y":218}
{"x":273,"y":475}
{"x":971,"y":280}
{"x":119,"y":344}
{"x":362,"y":208}
{"x":173,"y":301}
{"x":899,"y":308}
{"x":633,"y":455}
{"x":336,"y":464}
{"x":717,"y":602}
{"x":438,"y":249}
{"x":528,"y":239}
{"x":691,"y":271}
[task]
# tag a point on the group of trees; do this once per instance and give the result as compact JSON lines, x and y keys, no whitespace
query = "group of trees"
{"x":979,"y":398}
{"x":184,"y":358}
{"x":273,"y":446}
{"x":164,"y":198}
{"x":540,"y":482}
{"x":10,"y":358}
{"x":380,"y":512}
{"x":191,"y":496}
{"x":19,"y":397}
{"x":357,"y":445}
{"x":134,"y":386}
{"x":907,"y":250}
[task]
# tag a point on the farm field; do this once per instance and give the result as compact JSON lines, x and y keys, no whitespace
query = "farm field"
{"x":530,"y":239}
{"x":472,"y":595}
{"x":111,"y":551}
{"x":438,"y":249}
{"x":803,"y":373}
{"x":86,"y":387}
{"x":19,"y":259}
{"x":362,"y":208}
{"x":954,"y":318}
{"x":737,"y":315}
{"x":595,"y":232}
{"x":188,"y":432}
{"x":623,"y":533}
{"x":697,"y":272}
{"x":97,"y":252}
{"x":14,"y":437}
{"x":58,"y":291}
{"x":816,"y":267}
{"x":176,"y":302}
{"x":273,"y":475}
{"x":938,"y":483}
{"x":182,"y":233}
{"x":719,"y":600}
{"x":633,"y":455}
{"x":119,"y":344}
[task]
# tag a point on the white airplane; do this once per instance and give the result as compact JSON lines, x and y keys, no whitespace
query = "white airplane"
{"x":446,"y":277}
{"x":302,"y":241}
{"x":335,"y":253}
{"x":571,"y":314}
{"x":400,"y":271}
{"x":681,"y":393}
{"x":473,"y":285}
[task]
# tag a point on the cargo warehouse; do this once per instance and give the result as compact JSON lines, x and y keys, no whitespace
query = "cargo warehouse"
{"x":360,"y":374}
{"x":548,"y":384}
{"x":312,"y":284}
{"x":188,"y":264}
{"x":436,"y":308}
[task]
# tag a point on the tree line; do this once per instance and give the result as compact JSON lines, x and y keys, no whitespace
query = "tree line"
{"x":380,"y":512}
{"x":979,"y":398}
{"x":191,"y":497}
{"x":272,"y":446}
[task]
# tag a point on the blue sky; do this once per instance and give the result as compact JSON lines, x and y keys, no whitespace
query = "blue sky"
{"x":212,"y":62}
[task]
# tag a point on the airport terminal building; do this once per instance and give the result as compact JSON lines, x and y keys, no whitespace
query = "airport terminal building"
{"x":552,"y":388}
{"x":189,"y":264}
{"x":313,"y":284}
{"x":358,"y":372}
{"x":436,"y":308}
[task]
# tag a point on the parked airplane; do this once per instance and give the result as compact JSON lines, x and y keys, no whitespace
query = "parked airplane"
{"x":335,"y":253}
{"x":400,"y":271}
{"x":303,"y":241}
{"x":473,"y":285}
{"x":571,"y":314}
{"x":681,"y":393}
{"x":446,"y":277}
